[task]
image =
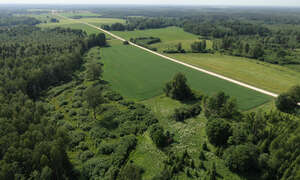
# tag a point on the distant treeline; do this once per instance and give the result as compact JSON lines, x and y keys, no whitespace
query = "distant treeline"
{"x":141,"y":23}
{"x":17,"y":20}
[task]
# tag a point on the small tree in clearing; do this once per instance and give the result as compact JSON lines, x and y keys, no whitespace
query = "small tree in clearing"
{"x":94,"y":98}
{"x":178,"y":88}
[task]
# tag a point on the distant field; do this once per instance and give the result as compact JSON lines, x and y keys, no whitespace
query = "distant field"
{"x":270,"y":77}
{"x":80,"y":13}
{"x":101,"y":21}
{"x":139,"y":75}
{"x":68,"y":23}
{"x":169,"y":36}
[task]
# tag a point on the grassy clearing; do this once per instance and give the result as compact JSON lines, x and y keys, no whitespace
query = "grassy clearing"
{"x":169,"y":36}
{"x":189,"y":135}
{"x":270,"y":77}
{"x":140,"y":75}
{"x":148,"y":156}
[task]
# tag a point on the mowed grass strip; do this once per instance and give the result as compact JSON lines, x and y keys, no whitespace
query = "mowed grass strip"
{"x":273,"y":78}
{"x":140,"y":75}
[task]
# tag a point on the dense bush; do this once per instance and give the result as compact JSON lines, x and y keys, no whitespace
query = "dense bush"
{"x":199,"y":47}
{"x":288,"y":102}
{"x":242,"y":158}
{"x":220,"y":105}
{"x":218,"y":131}
{"x":158,"y":136}
{"x":182,"y":113}
{"x":130,"y":172}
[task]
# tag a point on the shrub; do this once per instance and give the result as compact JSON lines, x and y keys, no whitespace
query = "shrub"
{"x":242,"y":158}
{"x":220,"y":105}
{"x":63,"y":103}
{"x":286,"y":103}
{"x":157,"y":135}
{"x":59,"y":116}
{"x":182,"y":113}
{"x":130,"y":172}
{"x":77,"y":104}
{"x":106,"y":148}
{"x":113,"y":96}
{"x":76,"y":138}
{"x":218,"y":131}
{"x":73,"y":113}
{"x":85,"y":155}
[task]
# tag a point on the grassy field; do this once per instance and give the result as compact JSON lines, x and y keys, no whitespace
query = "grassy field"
{"x":263,"y":75}
{"x":169,"y":36}
{"x":140,"y":75}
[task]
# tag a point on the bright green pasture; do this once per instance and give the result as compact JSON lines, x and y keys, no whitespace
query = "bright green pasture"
{"x":140,"y":75}
{"x":169,"y":36}
{"x":270,"y":77}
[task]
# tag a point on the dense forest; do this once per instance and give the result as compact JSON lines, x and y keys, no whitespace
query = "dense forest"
{"x":32,"y":60}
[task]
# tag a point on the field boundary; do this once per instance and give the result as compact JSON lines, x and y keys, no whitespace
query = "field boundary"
{"x":177,"y":61}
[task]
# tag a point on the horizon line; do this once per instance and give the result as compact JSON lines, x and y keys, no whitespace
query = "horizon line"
{"x":134,"y":4}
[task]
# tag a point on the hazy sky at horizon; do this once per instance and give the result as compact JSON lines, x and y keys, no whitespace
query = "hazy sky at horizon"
{"x":167,"y":2}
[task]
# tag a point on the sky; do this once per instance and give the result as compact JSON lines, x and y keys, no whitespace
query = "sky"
{"x":163,"y":2}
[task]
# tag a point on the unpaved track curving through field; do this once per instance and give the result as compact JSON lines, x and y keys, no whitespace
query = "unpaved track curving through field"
{"x":179,"y":62}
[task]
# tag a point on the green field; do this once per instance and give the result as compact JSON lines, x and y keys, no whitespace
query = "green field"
{"x":140,"y":75}
{"x":169,"y":36}
{"x":267,"y":76}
